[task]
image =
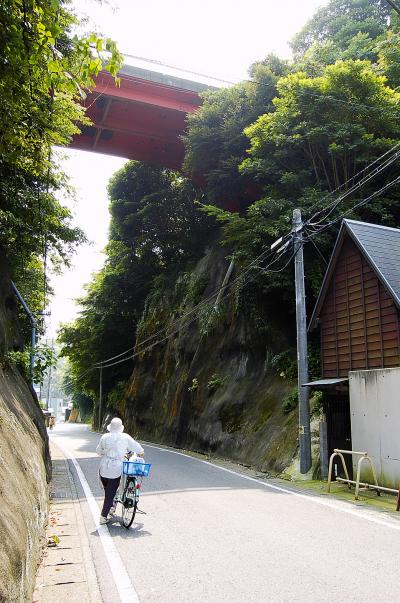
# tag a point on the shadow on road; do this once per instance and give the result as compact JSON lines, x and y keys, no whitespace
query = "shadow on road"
{"x":171,"y":473}
{"x":116,"y":529}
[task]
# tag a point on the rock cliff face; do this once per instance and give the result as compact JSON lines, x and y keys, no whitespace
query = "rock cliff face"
{"x":212,"y":387}
{"x":24,"y":465}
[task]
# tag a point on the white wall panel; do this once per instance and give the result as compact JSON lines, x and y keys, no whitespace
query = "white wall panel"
{"x":375,"y":421}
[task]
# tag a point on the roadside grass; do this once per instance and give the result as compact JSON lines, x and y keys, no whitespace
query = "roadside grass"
{"x":369,"y":498}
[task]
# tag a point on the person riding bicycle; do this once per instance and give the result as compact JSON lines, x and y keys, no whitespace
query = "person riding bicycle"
{"x":113,"y":447}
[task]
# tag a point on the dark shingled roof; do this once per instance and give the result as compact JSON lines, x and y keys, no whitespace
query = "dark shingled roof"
{"x":381,"y":247}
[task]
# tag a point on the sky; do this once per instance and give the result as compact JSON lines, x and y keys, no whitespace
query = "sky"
{"x":220,"y":38}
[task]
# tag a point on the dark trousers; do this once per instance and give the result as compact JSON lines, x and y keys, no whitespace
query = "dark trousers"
{"x":110,"y":486}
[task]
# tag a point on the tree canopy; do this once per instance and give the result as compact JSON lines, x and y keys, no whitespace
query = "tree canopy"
{"x":290,"y":136}
{"x":156,"y":230}
{"x":45,"y":72}
{"x":323,"y":129}
{"x":215,"y":141}
{"x":340,"y":21}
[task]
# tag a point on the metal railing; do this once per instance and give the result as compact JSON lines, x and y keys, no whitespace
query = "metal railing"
{"x":364,"y":456}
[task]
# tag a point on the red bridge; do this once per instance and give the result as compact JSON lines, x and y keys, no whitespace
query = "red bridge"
{"x":142,"y":119}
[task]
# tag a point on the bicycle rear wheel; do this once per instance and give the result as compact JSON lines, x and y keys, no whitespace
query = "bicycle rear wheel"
{"x":128,"y":514}
{"x":129,"y":502}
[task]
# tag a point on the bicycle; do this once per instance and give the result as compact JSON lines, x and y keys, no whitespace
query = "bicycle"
{"x":129,"y":489}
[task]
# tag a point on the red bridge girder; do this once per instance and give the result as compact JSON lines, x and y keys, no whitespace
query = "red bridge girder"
{"x":144,"y":118}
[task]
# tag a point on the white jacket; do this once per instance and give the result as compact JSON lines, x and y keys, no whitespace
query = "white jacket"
{"x":113,"y":448}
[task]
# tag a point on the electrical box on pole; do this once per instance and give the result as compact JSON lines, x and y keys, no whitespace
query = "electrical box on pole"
{"x":302,"y":360}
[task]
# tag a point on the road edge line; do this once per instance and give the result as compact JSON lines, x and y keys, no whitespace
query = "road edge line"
{"x":361,"y":514}
{"x":126,"y":591}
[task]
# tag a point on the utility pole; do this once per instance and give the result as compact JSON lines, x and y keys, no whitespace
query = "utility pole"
{"x":302,"y":360}
{"x":49,"y":382}
{"x":100,"y":396}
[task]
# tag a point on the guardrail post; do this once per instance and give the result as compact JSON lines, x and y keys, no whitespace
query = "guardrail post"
{"x":336,"y":452}
{"x":365,"y":457}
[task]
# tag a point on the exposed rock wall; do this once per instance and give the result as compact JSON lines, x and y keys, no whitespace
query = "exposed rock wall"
{"x":24,"y":465}
{"x":212,"y":387}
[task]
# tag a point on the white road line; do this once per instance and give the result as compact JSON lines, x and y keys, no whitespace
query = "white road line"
{"x":360,"y":514}
{"x":125,"y":588}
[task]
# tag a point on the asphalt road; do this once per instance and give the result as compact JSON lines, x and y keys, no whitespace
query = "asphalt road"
{"x":211,"y":536}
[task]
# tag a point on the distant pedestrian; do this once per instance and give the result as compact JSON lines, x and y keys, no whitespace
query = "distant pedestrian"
{"x":112,"y":448}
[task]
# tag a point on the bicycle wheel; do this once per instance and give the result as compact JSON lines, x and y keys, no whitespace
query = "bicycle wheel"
{"x":128,"y":514}
{"x":129,"y":504}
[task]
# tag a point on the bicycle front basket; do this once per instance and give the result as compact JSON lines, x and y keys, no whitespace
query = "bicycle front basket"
{"x":139,"y":469}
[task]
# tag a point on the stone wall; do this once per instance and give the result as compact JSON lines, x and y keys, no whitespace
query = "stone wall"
{"x":213,"y":387}
{"x":24,"y":464}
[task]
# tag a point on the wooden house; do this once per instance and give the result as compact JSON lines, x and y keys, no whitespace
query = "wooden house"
{"x":357,"y":313}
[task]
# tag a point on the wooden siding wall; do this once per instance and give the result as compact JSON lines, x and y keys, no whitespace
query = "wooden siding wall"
{"x":359,"y":321}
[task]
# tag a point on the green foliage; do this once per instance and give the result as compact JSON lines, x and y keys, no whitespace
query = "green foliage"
{"x":290,"y":401}
{"x":215,"y":382}
{"x":316,"y":401}
{"x":210,"y":317}
{"x":215,"y":143}
{"x":323,"y":129}
{"x":153,"y":212}
{"x":285,"y":139}
{"x":194,"y":385}
{"x":340,"y":21}
{"x":389,"y":58}
{"x":45,"y":357}
{"x":45,"y":71}
{"x":196,"y":287}
{"x":156,"y":231}
{"x":116,"y":395}
{"x":323,"y":125}
{"x":72,"y":387}
{"x":20,"y":359}
{"x":285,"y":364}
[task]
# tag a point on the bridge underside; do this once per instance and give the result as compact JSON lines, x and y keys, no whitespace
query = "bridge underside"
{"x":142,"y":119}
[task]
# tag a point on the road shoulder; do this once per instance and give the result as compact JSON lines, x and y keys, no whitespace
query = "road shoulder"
{"x":66,"y":572}
{"x":383,"y":506}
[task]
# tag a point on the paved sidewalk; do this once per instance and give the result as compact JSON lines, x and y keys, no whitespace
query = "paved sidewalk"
{"x":66,"y":572}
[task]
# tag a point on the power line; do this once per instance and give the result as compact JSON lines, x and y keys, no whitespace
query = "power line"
{"x":201,"y":304}
{"x":267,"y":270}
{"x":181,"y":69}
{"x":356,"y":206}
{"x":333,"y":205}
{"x":380,"y":168}
{"x":193,"y":317}
{"x":352,"y":104}
{"x":79,"y":378}
{"x":253,"y":264}
{"x":319,"y":251}
{"x":346,"y":182}
{"x":250,"y":267}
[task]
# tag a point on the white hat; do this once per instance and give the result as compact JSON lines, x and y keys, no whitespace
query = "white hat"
{"x":115,"y":426}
